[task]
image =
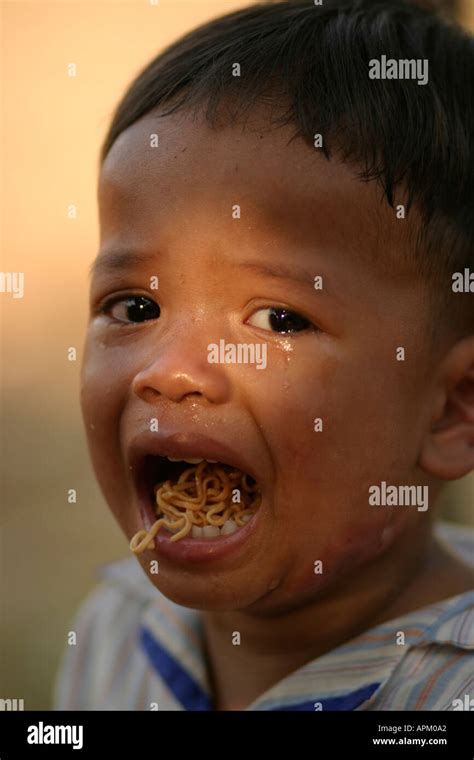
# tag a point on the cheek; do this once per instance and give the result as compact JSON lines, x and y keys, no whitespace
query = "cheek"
{"x":101,"y":391}
{"x":330,"y":429}
{"x":339,"y":553}
{"x":104,"y":389}
{"x":330,"y":441}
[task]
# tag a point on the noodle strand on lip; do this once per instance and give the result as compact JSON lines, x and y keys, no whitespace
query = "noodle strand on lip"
{"x":201,"y":496}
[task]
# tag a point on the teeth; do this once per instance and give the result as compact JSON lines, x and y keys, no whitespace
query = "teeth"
{"x":196,"y":460}
{"x":230,"y":526}
{"x":210,"y":531}
{"x":214,"y":531}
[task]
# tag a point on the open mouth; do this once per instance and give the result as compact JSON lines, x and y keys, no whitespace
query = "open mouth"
{"x":194,"y":498}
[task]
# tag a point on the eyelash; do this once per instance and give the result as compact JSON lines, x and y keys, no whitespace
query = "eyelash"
{"x":106,"y":307}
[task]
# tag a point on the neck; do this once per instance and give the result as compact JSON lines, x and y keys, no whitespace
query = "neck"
{"x":272,"y":647}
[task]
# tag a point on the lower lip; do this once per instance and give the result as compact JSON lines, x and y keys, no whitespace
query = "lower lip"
{"x":197,"y":550}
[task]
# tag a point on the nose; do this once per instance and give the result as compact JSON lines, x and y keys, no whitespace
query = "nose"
{"x":179,"y":369}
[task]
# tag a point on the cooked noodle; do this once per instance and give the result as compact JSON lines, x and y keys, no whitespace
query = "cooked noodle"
{"x":201,"y":496}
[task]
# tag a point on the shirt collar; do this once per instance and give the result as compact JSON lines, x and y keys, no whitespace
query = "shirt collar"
{"x":347,"y":677}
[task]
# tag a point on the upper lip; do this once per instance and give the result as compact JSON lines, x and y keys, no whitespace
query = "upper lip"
{"x":185,"y":445}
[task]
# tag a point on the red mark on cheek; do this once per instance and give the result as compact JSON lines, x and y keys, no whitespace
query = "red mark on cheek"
{"x":342,"y":556}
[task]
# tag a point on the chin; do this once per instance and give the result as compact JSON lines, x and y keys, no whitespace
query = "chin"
{"x":202,"y":594}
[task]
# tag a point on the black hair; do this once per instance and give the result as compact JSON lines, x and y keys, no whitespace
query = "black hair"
{"x":311,"y":64}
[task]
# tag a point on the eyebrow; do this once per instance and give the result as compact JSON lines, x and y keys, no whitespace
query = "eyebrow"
{"x":276,"y":270}
{"x":123,"y":259}
{"x":119,"y":260}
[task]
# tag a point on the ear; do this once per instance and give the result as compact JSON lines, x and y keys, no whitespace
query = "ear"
{"x":448,"y":447}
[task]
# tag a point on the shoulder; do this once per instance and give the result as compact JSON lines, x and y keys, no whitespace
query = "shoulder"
{"x":106,"y":629}
{"x":436,"y":671}
{"x":436,"y":668}
{"x":459,"y":538}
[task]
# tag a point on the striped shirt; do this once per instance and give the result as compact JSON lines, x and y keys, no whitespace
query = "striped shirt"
{"x":136,"y":650}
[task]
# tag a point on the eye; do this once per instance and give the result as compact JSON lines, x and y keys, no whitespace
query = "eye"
{"x":132,"y":309}
{"x":280,"y":320}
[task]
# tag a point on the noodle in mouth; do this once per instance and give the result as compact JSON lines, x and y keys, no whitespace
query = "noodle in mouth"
{"x":202,"y":496}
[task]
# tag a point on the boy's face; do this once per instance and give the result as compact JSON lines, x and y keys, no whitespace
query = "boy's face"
{"x":175,"y":203}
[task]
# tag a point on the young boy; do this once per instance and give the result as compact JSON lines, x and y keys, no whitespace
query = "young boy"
{"x":284,"y":291}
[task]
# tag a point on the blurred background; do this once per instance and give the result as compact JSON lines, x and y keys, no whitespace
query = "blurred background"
{"x":52,"y":126}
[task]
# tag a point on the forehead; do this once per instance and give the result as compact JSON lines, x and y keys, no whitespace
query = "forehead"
{"x":197,"y":174}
